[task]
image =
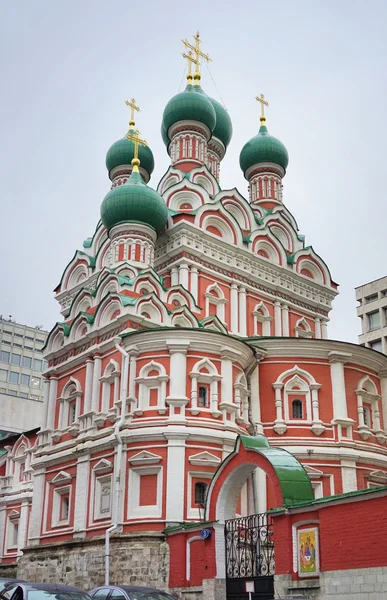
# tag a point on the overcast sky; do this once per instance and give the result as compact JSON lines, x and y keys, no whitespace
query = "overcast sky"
{"x":68,"y":65}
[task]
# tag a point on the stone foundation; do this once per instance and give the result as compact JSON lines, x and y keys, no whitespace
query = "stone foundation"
{"x":136,"y":559}
{"x":8,"y":570}
{"x":354,"y":584}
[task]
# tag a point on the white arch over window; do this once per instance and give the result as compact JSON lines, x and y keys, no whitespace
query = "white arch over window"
{"x":78,"y":274}
{"x":70,"y":405}
{"x":238,"y":213}
{"x":267,"y":250}
{"x":152,"y":388}
{"x":225,"y":229}
{"x":109,"y":285}
{"x":57,"y":341}
{"x":283,"y":236}
{"x":368,"y":401}
{"x":303,"y":329}
{"x":297,"y":384}
{"x":110,"y":386}
{"x":205,"y":372}
{"x":79,"y":329}
{"x":262,"y":320}
{"x":110,"y":311}
{"x":215,"y":298}
{"x":149,"y":310}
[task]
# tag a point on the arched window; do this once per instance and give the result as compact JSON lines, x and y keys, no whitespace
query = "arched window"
{"x":200,"y":492}
{"x":203,"y":395}
{"x":297,"y":409}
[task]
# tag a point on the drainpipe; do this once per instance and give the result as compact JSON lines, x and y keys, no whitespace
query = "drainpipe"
{"x":117,"y":465}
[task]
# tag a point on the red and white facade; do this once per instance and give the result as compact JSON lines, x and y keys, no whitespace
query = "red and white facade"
{"x":216,"y":328}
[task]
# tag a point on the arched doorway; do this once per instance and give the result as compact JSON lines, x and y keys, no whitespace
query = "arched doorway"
{"x":243,"y":546}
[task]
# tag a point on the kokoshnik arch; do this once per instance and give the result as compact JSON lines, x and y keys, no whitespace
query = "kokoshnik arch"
{"x":193,"y":315}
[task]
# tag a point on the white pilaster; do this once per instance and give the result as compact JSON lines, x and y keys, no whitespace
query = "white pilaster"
{"x":317,"y":328}
{"x":348,"y":475}
{"x":175,"y":477}
{"x":2,"y":524}
{"x":242,"y":311}
{"x":383,"y":385}
{"x":277,"y":318}
{"x":227,"y":380}
{"x":46,"y":393}
{"x":81,"y":495}
{"x":178,"y":368}
{"x":52,"y":402}
{"x":234,"y":308}
{"x":174,"y":276}
{"x":324,"y":330}
{"x":37,"y":506}
{"x":259,"y":480}
{"x":184,"y":275}
{"x":194,"y":282}
{"x":285,"y":320}
{"x":255,"y":402}
{"x":96,"y":384}
{"x":23,"y":522}
{"x":88,"y":385}
{"x":133,"y":353}
{"x":339,"y":399}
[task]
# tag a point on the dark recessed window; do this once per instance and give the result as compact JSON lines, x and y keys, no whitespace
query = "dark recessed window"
{"x":200,"y":492}
{"x":203,"y":395}
{"x":297,"y":409}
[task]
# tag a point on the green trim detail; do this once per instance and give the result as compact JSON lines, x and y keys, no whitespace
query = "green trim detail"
{"x":293,"y":479}
{"x":88,"y":242}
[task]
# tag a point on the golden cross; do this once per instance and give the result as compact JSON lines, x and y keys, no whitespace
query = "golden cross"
{"x":198,"y":54}
{"x":133,"y":106}
{"x":264,"y":103}
{"x":189,"y":56}
{"x":137,"y":141}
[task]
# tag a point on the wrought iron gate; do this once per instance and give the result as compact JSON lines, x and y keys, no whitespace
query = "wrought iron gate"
{"x":249,"y":557}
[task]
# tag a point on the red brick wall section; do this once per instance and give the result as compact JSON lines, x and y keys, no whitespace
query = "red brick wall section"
{"x":202,"y":559}
{"x":148,"y":490}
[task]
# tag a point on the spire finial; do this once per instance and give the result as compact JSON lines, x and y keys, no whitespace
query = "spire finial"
{"x":198,"y":54}
{"x":134,"y":136}
{"x":264,"y":103}
{"x":190,"y":59}
{"x":133,"y":106}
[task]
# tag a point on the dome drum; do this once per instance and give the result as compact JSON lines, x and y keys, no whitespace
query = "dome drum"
{"x":187,"y":126}
{"x":123,"y":172}
{"x":263,"y":168}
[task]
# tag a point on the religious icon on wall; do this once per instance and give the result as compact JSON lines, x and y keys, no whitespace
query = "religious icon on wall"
{"x":308,"y":555}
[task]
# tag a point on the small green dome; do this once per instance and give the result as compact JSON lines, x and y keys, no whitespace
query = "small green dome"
{"x":134,"y":202}
{"x":190,"y":105}
{"x":122,"y":152}
{"x":223,"y":126}
{"x":263,"y":148}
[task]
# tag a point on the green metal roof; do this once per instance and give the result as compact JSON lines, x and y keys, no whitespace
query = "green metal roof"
{"x":263,"y":148}
{"x":293,"y":479}
{"x":223,"y":125}
{"x":134,"y":202}
{"x":122,"y":152}
{"x":190,"y":105}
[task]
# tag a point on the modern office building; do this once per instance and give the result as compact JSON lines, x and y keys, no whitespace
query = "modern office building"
{"x":21,"y":380}
{"x":372,"y":310}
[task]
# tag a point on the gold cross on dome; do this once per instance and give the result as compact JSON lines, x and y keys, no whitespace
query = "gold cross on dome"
{"x":133,"y":106}
{"x":198,"y":54}
{"x":264,"y":103}
{"x":137,"y":141}
{"x":190,"y":59}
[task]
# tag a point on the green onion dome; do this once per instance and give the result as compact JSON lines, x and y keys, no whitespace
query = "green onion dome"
{"x":223,"y":126}
{"x":263,"y":148}
{"x":190,"y":105}
{"x":134,"y":202}
{"x":122,"y":153}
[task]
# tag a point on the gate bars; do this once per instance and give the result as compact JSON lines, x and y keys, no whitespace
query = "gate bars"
{"x":249,"y":548}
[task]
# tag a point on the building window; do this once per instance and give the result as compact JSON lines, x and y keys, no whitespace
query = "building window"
{"x":203,"y":396}
{"x":15,"y":360}
{"x":3,"y":374}
{"x":12,"y":392}
{"x":35,"y":382}
{"x":376,"y":345}
{"x":371,"y":298}
{"x":374,"y":320}
{"x":367,"y":416}
{"x":23,"y":395}
{"x":13,"y":377}
{"x":200,"y":492}
{"x":297,"y":409}
{"x":64,"y":507}
{"x":27,"y":361}
{"x":4,"y":356}
{"x":22,"y":471}
{"x":25,"y":379}
{"x":38,"y":364}
{"x":14,"y":526}
{"x":72,"y":412}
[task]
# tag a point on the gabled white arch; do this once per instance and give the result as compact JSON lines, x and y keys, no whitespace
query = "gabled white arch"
{"x":303,"y":329}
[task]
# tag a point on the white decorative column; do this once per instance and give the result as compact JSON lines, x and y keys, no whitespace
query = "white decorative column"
{"x":227,"y":405}
{"x":174,"y":276}
{"x":194,"y":282}
{"x":52,"y":401}
{"x":184,"y":275}
{"x":37,"y":506}
{"x":285,"y":320}
{"x":339,"y":398}
{"x":3,"y":508}
{"x":88,"y":384}
{"x":279,"y":424}
{"x":242,"y":312}
{"x":23,"y":523}
{"x":175,"y":477}
{"x":46,"y":392}
{"x":317,"y":328}
{"x":277,"y":318}
{"x":317,"y":425}
{"x":177,"y":399}
{"x":324,"y":329}
{"x":81,"y":495}
{"x":96,"y":383}
{"x":234,"y":308}
{"x":255,"y":401}
{"x":348,"y":475}
{"x":383,"y":385}
{"x":133,"y":353}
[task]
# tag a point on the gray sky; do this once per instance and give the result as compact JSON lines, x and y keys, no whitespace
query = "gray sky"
{"x":68,"y":65}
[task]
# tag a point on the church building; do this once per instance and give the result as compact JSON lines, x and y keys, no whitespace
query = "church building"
{"x":193,"y":315}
